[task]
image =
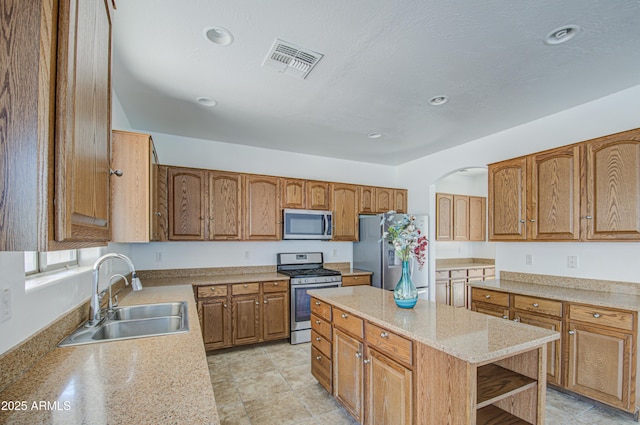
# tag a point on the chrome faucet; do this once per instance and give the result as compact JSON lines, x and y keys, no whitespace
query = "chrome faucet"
{"x":94,"y":310}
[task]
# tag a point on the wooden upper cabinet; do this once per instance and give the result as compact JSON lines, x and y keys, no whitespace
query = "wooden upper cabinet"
{"x":507,"y":200}
{"x":613,"y":187}
{"x":345,"y":202}
{"x":134,"y":195}
{"x":225,"y":206}
{"x":83,"y":121}
{"x":477,"y":218}
{"x":444,"y":217}
{"x":318,"y":195}
{"x":554,"y":204}
{"x":385,"y":200}
{"x":187,"y":203}
{"x":460,"y":218}
{"x":367,"y":199}
{"x":293,"y":193}
{"x":262,"y":208}
{"x":401,"y":200}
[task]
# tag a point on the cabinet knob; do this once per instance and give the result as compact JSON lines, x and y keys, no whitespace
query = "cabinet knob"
{"x":521,"y":220}
{"x":572,"y":332}
{"x":505,"y":317}
{"x":384,"y":335}
{"x":158,"y":213}
{"x":517,"y":320}
{"x":589,"y":217}
{"x":318,"y":358}
{"x":213,"y":289}
{"x":225,"y":306}
{"x":533,"y":220}
{"x":265,"y":301}
{"x":355,"y":278}
{"x":318,"y":338}
{"x":257,"y":303}
{"x":245,"y":286}
{"x":317,"y":322}
{"x":343,"y":315}
{"x":118,"y":173}
{"x":535,"y":305}
{"x":275,"y":283}
{"x":366,"y":361}
{"x":487,"y":296}
{"x":358,"y":355}
{"x":596,"y":315}
{"x":317,"y":302}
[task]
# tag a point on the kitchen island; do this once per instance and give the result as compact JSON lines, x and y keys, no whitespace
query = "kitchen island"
{"x":433,"y":364}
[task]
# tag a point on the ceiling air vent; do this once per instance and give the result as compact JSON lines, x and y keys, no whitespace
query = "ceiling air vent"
{"x":290,"y":59}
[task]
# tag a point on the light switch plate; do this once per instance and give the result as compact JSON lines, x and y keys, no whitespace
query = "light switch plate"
{"x":5,"y":305}
{"x":572,"y":262}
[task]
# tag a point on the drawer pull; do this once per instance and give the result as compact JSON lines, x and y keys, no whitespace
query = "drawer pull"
{"x":257,"y":303}
{"x":343,"y":315}
{"x":213,"y":289}
{"x":487,"y":296}
{"x":318,"y":338}
{"x":535,"y":305}
{"x":275,"y":283}
{"x":317,"y":302}
{"x":245,"y":286}
{"x":317,"y":322}
{"x":366,"y":361}
{"x":384,"y":335}
{"x":517,"y":320}
{"x":572,"y":332}
{"x":358,"y":355}
{"x":266,"y":302}
{"x":505,"y":317}
{"x":596,"y":315}
{"x":225,"y":306}
{"x":318,"y":358}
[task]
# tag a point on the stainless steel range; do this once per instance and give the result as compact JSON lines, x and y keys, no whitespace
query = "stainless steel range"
{"x":306,"y":273}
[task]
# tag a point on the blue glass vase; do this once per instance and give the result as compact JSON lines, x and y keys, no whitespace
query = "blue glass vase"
{"x":405,"y":294}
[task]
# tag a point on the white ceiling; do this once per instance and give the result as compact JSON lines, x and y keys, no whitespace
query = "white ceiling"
{"x":383,"y":60}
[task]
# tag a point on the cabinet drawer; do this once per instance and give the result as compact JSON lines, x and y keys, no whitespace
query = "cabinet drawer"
{"x":442,"y":274}
{"x":276,"y":286}
{"x":245,"y":288}
{"x":602,"y":316}
{"x":397,"y":347}
{"x":348,"y":322}
{"x":321,"y":368}
{"x":321,"y":309}
{"x":320,"y":343}
{"x":457,"y":274}
{"x":356,"y":280}
{"x":490,"y":297}
{"x":538,"y":305}
{"x":321,"y":326}
{"x":475,"y":272}
{"x":474,"y":279}
{"x":212,"y":291}
{"x":490,"y":272}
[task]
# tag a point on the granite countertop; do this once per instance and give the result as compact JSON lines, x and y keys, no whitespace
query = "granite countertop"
{"x":215,"y":280}
{"x":469,"y":265}
{"x":584,"y":296}
{"x":348,"y":271}
{"x":472,"y":337}
{"x":159,"y":380}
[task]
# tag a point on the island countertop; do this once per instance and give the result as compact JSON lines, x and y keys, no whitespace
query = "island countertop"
{"x":472,"y":337}
{"x":159,"y":380}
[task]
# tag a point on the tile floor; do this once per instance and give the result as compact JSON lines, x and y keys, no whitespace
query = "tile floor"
{"x":271,"y":383}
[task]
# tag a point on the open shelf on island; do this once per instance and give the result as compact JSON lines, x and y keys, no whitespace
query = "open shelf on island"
{"x":496,"y":383}
{"x":492,"y":415}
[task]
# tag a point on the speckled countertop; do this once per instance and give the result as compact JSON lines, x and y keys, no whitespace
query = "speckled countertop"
{"x":215,"y":280}
{"x":348,"y":271}
{"x":472,"y":337}
{"x":155,"y":380}
{"x":582,"y":295}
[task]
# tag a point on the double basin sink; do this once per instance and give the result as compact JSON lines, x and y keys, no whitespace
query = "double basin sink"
{"x":135,"y":321}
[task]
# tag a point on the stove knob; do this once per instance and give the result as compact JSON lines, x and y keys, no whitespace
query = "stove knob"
{"x":305,"y":280}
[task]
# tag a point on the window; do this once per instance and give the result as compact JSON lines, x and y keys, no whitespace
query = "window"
{"x":39,"y":262}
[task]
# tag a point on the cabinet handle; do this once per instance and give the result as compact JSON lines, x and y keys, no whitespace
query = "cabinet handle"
{"x":358,"y":355}
{"x":505,"y":317}
{"x":535,"y":305}
{"x":384,"y":335}
{"x":257,"y":303}
{"x":487,"y":296}
{"x":318,"y":338}
{"x":201,"y":218}
{"x":225,"y":306}
{"x":245,"y":286}
{"x":521,"y":220}
{"x":265,"y":301}
{"x":118,"y":173}
{"x":213,"y":289}
{"x":596,"y":315}
{"x":517,"y":320}
{"x":343,"y":315}
{"x":317,"y":322}
{"x":158,"y":213}
{"x":317,"y":302}
{"x":589,"y":217}
{"x":318,"y":358}
{"x":275,"y":283}
{"x":366,"y":361}
{"x":355,"y":278}
{"x":572,"y":332}
{"x":533,"y":220}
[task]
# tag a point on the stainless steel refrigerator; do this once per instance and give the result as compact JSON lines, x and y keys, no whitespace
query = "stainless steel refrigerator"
{"x":376,"y":256}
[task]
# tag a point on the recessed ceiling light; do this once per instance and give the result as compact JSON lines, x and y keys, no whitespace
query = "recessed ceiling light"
{"x":207,"y":101}
{"x":561,"y":35}
{"x":438,"y":100}
{"x":218,"y":35}
{"x":374,"y":135}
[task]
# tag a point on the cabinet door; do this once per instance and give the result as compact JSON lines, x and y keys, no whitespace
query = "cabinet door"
{"x":225,"y":206}
{"x":389,"y":391}
{"x":246,"y":319}
{"x":554,"y":349}
{"x":318,"y":196}
{"x":262,"y":208}
{"x":444,"y":217}
{"x":401,"y":200}
{"x":458,"y":297}
{"x":554,"y":207}
{"x":384,"y":199}
{"x":600,"y":364}
{"x":348,"y":373}
{"x":477,"y":218}
{"x":613,"y":187}
{"x":275,"y":316}
{"x":187,"y":203}
{"x":367,"y":200}
{"x":507,"y":200}
{"x":83,"y":125}
{"x":442,"y":291}
{"x":215,"y":321}
{"x":460,"y":218}
{"x":345,"y":212}
{"x":293,"y":193}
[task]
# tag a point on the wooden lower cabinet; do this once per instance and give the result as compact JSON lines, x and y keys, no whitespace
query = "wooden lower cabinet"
{"x":389,"y":390}
{"x":215,"y":321}
{"x":554,"y":349}
{"x":356,"y":280}
{"x":275,"y":316}
{"x":348,"y":382}
{"x":246,"y":319}
{"x":451,"y":292}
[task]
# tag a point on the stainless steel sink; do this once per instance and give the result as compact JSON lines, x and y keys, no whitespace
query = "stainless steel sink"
{"x":136,"y":321}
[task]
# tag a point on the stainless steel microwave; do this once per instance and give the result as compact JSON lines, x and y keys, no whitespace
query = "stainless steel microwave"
{"x":306,"y":224}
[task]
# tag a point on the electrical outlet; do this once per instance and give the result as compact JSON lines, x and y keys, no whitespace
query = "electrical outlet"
{"x":572,"y":262}
{"x":528,"y":259}
{"x":158,"y":257}
{"x":334,"y":253}
{"x":246,"y":255}
{"x":5,"y":305}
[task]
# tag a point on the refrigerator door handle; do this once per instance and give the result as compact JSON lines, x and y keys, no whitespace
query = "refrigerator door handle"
{"x":423,"y":291}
